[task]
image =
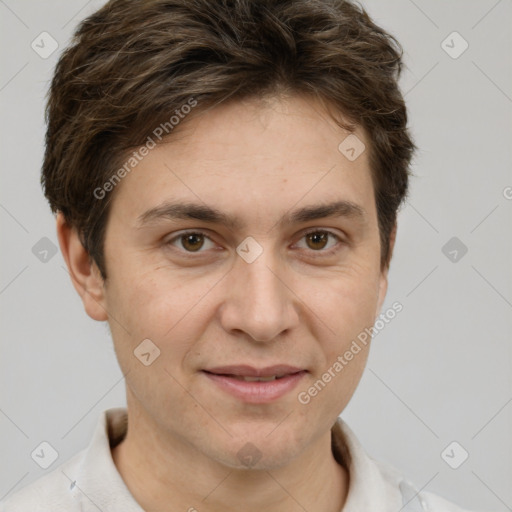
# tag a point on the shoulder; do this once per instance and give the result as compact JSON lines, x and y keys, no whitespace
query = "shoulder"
{"x":435,"y":503}
{"x":50,"y":493}
{"x":378,"y":485}
{"x":412,"y":499}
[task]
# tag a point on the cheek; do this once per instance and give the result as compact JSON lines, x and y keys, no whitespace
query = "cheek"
{"x":166,"y":313}
{"x":347,"y":308}
{"x":170,"y":310}
{"x":347,"y":302}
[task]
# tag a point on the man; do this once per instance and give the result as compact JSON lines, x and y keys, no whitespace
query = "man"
{"x":226,"y":176}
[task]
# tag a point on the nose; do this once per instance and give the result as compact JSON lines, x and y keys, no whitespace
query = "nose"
{"x":258,"y":300}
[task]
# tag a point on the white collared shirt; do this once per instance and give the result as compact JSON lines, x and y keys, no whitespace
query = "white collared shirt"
{"x":90,"y":482}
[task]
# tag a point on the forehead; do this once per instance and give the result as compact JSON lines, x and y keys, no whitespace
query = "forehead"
{"x":253,"y":156}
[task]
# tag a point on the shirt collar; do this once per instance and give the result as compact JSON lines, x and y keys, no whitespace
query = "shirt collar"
{"x":372,"y":486}
{"x":99,"y":486}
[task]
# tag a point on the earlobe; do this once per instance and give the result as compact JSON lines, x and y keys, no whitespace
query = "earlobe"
{"x":383,"y":288}
{"x":84,"y":273}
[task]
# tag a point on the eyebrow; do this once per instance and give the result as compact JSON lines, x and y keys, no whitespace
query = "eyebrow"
{"x":204,"y":213}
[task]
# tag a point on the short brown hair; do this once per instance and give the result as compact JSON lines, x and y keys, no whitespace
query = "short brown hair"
{"x":133,"y":63}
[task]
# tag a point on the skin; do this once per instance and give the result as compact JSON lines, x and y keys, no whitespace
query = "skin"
{"x":295,"y":304}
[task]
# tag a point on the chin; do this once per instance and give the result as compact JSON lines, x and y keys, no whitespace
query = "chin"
{"x":257,"y":453}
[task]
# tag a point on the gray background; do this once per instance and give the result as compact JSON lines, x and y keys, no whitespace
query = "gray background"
{"x":439,"y":372}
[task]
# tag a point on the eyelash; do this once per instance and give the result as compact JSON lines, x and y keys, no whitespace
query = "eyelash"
{"x":320,"y":252}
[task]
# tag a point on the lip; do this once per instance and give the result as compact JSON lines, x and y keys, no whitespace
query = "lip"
{"x":250,"y":371}
{"x":255,"y":392}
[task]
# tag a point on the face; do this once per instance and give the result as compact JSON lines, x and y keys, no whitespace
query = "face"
{"x":283,"y":284}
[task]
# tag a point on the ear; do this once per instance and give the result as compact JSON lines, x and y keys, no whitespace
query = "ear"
{"x":85,"y":275}
{"x":383,"y":281}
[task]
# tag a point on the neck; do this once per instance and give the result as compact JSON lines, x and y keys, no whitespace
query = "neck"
{"x":164,"y":473}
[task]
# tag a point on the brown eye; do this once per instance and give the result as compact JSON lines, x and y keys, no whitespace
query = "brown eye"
{"x":317,"y":240}
{"x":192,"y":241}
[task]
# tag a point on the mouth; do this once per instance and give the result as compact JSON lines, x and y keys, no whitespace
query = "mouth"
{"x":253,"y":385}
{"x":246,"y":378}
